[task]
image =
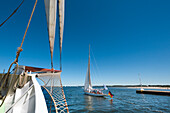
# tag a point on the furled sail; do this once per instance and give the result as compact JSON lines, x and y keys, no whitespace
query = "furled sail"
{"x":51,"y":10}
{"x":61,"y":24}
{"x":52,"y":81}
{"x":87,"y":85}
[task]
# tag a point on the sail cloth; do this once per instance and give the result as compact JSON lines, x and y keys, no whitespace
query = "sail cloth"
{"x":61,"y":21}
{"x":87,"y":85}
{"x":61,"y":25}
{"x":52,"y":81}
{"x":105,"y":88}
{"x":51,"y":10}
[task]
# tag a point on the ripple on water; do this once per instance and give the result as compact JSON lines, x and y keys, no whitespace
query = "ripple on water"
{"x":124,"y":101}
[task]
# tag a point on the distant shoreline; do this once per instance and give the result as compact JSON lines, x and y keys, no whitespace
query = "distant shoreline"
{"x":149,"y":87}
{"x":133,"y":86}
{"x":144,"y":86}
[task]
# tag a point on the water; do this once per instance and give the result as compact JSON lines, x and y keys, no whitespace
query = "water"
{"x":124,"y":101}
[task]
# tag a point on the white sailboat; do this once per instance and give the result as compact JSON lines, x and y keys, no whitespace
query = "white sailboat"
{"x":88,"y":89}
{"x":28,"y":89}
{"x":140,"y":82}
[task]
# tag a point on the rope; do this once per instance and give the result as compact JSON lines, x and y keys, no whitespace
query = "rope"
{"x":95,"y":62}
{"x":60,"y":61}
{"x":51,"y":91}
{"x":52,"y":62}
{"x":29,"y":23}
{"x":51,"y":98}
{"x":20,"y":48}
{"x":47,"y":81}
{"x":42,"y":81}
{"x":17,"y":56}
{"x":96,"y":70}
{"x":10,"y":83}
{"x":64,"y":96}
{"x":57,"y":93}
{"x":12,"y":13}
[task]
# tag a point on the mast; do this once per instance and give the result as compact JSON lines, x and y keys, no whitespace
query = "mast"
{"x":140,"y":81}
{"x":89,"y":67}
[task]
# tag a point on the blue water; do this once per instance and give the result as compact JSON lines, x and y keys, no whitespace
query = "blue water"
{"x":124,"y":101}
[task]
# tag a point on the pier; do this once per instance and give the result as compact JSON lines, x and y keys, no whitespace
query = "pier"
{"x":154,"y":92}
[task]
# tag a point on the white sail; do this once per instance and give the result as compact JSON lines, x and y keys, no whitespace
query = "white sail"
{"x":51,"y":10}
{"x":87,"y":85}
{"x":105,"y":88}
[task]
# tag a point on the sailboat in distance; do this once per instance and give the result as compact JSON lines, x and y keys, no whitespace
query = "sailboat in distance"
{"x":88,"y":89}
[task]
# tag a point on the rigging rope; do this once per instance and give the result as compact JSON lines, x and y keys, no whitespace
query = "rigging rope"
{"x":57,"y":95}
{"x":20,"y":48}
{"x":95,"y":62}
{"x":17,"y":56}
{"x":12,"y":13}
{"x":13,"y":78}
{"x":60,"y":61}
{"x":29,"y":22}
{"x":97,"y":72}
{"x":64,"y":96}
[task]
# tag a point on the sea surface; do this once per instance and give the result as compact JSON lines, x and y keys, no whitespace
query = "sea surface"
{"x":125,"y":100}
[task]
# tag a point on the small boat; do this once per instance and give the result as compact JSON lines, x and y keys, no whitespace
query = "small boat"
{"x":88,"y":89}
{"x":141,"y":89}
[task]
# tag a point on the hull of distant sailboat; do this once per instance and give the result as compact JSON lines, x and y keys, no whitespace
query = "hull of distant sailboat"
{"x":93,"y":94}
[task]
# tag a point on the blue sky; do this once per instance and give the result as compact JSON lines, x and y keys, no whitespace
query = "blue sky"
{"x":127,"y":37}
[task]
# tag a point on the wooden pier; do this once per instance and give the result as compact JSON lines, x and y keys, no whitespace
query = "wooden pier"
{"x":154,"y":92}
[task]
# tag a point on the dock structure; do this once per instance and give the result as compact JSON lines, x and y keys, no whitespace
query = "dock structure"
{"x":154,"y":92}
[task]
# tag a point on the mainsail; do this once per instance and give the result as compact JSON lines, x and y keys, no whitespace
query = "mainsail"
{"x":87,"y":85}
{"x":51,"y":11}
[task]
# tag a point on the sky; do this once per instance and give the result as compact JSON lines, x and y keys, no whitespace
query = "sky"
{"x":127,"y":37}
